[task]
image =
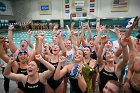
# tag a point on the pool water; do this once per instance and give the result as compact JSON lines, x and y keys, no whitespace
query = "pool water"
{"x":20,"y":35}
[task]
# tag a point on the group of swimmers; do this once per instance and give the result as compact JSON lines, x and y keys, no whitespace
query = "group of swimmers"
{"x":78,"y":61}
{"x":36,"y":26}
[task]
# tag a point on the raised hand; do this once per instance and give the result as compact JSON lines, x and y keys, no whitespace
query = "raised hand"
{"x":117,"y":31}
{"x":128,"y":33}
{"x":42,"y":35}
{"x":62,"y":59}
{"x":100,"y":28}
{"x":58,"y":33}
{"x":11,"y":27}
{"x":2,"y":38}
{"x":29,"y":32}
{"x":36,"y":36}
{"x":84,"y":26}
{"x":123,"y":42}
{"x":11,"y":60}
{"x":135,"y":21}
{"x":104,"y":39}
{"x":38,"y":57}
{"x":72,"y":24}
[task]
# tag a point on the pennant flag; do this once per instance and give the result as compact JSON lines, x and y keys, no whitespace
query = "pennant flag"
{"x":92,"y":5}
{"x":73,"y":15}
{"x":67,"y":11}
{"x":67,"y":6}
{"x":66,"y":1}
{"x":92,"y":0}
{"x":91,"y":10}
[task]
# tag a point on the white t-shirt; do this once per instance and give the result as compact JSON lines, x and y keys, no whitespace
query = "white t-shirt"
{"x":9,"y":53}
{"x":69,"y":57}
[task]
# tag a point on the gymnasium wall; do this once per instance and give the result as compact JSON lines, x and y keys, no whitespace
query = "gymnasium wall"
{"x":105,"y":9}
{"x":6,"y":12}
{"x":29,"y":8}
{"x":26,"y":10}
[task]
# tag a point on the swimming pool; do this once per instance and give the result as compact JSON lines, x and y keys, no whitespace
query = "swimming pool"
{"x":22,"y":35}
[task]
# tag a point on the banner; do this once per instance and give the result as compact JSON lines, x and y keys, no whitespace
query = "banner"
{"x":67,"y":7}
{"x":79,"y":6}
{"x":45,"y":8}
{"x":5,"y":8}
{"x":119,"y":6}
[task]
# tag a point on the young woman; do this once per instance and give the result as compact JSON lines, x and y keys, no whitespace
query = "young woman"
{"x":88,"y":70}
{"x":33,"y":82}
{"x":107,"y":69}
{"x":78,"y":84}
{"x":113,"y":86}
{"x":54,"y":86}
{"x":4,"y":64}
{"x":19,"y":67}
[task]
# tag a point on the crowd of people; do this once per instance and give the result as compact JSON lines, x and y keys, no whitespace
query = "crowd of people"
{"x":82,"y":62}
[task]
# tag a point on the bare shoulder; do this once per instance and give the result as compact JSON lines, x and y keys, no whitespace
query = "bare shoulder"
{"x":42,"y":79}
{"x":24,"y":79}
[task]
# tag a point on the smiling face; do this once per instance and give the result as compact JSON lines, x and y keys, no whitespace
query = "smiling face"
{"x":110,"y":57}
{"x":78,"y":56}
{"x":23,"y":57}
{"x":32,"y":68}
{"x":110,"y":88}
{"x":23,"y":44}
{"x":55,"y":49}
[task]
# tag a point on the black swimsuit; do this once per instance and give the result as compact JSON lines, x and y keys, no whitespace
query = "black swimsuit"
{"x":105,"y":76}
{"x":74,"y":87}
{"x":54,"y":83}
{"x":93,"y":55}
{"x":21,"y":71}
{"x":37,"y":87}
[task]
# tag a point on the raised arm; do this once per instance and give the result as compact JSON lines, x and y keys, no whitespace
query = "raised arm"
{"x":55,"y":28}
{"x":132,"y":27}
{"x":59,"y":73}
{"x":51,"y":68}
{"x":122,"y":64}
{"x":104,"y":40}
{"x":12,"y":46}
{"x":99,"y":30}
{"x":72,"y":37}
{"x":39,"y":48}
{"x":89,"y":32}
{"x":29,"y":38}
{"x":72,"y":26}
{"x":7,"y":72}
{"x":36,"y":36}
{"x":62,"y":44}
